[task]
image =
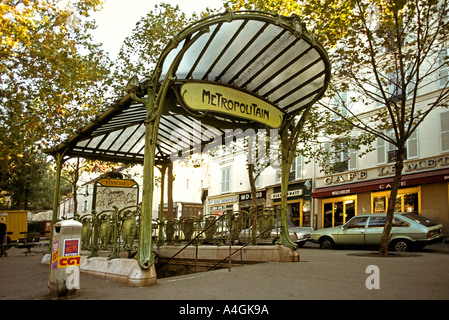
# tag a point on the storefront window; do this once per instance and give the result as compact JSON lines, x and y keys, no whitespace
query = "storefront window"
{"x":295,"y":213}
{"x":406,"y":201}
{"x":379,"y":204}
{"x":411,"y":202}
{"x":338,"y":210}
{"x":299,"y":213}
{"x":338,"y":213}
{"x":306,"y":221}
{"x":328,"y":215}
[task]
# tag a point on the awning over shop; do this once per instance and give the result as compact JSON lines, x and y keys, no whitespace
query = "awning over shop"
{"x":382,"y":184}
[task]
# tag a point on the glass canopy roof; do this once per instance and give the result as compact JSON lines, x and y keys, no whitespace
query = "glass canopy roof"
{"x":269,"y":57}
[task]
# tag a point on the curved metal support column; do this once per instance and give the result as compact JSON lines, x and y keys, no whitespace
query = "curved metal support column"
{"x":286,"y":163}
{"x":145,"y":256}
{"x":154,"y":106}
{"x":290,"y":133}
{"x":163,"y":170}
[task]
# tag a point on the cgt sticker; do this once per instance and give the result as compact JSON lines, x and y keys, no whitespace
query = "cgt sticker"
{"x":64,"y":262}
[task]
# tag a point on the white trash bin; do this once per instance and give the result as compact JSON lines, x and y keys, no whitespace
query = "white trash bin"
{"x":65,"y":258}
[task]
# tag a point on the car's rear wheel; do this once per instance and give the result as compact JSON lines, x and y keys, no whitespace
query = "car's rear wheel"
{"x":326,"y":243}
{"x":401,"y":245}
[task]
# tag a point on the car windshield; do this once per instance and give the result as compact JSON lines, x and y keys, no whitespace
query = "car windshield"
{"x":420,"y":219}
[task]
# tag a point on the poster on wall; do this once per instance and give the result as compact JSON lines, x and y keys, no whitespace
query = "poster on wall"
{"x":115,"y":192}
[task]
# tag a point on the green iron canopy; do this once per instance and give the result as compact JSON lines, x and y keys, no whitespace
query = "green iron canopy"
{"x":245,"y":69}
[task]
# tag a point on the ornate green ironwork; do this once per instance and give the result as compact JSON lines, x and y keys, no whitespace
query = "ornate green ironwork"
{"x":129,"y":227}
{"x":237,"y":224}
{"x":187,"y":227}
{"x":265,"y":224}
{"x":105,"y":229}
{"x":211,"y":228}
{"x":86,"y":234}
{"x":170,"y":229}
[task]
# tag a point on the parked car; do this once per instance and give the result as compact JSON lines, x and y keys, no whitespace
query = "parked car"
{"x":408,"y":230}
{"x":299,"y":235}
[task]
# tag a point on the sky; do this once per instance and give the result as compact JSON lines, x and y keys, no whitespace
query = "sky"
{"x":118,"y":17}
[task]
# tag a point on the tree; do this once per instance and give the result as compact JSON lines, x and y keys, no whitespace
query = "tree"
{"x":30,"y":187}
{"x":52,"y":76}
{"x":389,"y":55}
{"x":388,"y":52}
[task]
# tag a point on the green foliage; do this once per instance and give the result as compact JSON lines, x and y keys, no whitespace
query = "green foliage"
{"x":141,"y":50}
{"x":52,"y":78}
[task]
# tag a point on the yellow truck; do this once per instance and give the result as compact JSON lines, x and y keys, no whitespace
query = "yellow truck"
{"x":16,"y":223}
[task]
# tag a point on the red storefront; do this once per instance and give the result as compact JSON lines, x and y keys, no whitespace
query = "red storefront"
{"x":424,"y":192}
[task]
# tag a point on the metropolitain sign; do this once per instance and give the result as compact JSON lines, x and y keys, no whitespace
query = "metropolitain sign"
{"x":230,"y":101}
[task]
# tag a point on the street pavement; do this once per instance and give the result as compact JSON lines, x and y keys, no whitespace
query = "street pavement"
{"x":340,"y":274}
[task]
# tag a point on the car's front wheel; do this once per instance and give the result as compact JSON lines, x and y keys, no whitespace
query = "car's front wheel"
{"x":326,"y":243}
{"x":401,"y":245}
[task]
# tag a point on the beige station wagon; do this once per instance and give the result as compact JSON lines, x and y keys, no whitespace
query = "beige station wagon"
{"x":408,"y":230}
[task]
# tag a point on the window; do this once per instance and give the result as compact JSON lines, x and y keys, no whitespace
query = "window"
{"x":298,"y":167}
{"x":444,"y":131}
{"x":421,"y":220}
{"x":399,"y":223}
{"x":412,"y":145}
{"x":443,"y":70}
{"x":336,"y":211}
{"x":225,"y":180}
{"x":379,"y":222}
{"x":376,"y":222}
{"x":357,"y":223}
{"x":341,"y":158}
{"x":340,"y":104}
{"x":387,"y":152}
{"x":295,"y":170}
{"x":394,"y":89}
{"x":408,"y":200}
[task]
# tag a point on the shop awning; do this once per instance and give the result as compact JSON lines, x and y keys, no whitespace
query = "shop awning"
{"x":407,"y":180}
{"x":232,"y":70}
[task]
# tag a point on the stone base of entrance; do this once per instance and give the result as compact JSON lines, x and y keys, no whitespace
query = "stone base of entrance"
{"x":128,"y":270}
{"x":249,"y":254}
{"x":121,"y":269}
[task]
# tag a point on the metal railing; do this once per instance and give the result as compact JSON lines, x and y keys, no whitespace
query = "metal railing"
{"x":117,"y":230}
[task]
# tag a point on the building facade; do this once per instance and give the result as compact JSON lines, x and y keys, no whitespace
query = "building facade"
{"x":366,"y":188}
{"x":362,"y":184}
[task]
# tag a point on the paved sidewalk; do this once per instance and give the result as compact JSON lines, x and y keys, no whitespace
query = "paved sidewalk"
{"x":321,"y":274}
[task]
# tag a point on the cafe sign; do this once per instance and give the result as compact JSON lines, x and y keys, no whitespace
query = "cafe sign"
{"x":230,"y":101}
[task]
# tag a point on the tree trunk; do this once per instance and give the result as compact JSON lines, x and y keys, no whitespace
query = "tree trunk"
{"x":288,"y":151}
{"x":399,"y":165}
{"x":75,"y":190}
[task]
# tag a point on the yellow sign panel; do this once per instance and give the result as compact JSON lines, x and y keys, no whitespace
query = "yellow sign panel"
{"x":230,"y":101}
{"x":117,"y":183}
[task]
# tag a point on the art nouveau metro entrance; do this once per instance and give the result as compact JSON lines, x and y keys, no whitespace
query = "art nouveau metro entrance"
{"x":236,"y":70}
